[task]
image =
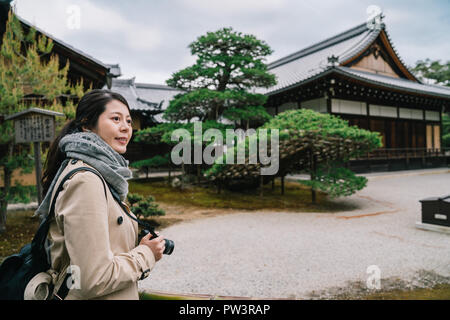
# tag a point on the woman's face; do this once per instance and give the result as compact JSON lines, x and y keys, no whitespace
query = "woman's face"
{"x":114,"y":126}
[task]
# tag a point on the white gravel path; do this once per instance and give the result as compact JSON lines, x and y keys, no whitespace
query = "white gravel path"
{"x":291,"y":255}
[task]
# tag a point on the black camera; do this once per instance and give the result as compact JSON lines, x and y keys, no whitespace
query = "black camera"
{"x":170,"y":245}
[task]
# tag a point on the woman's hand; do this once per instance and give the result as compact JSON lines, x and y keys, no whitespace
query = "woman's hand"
{"x":157,"y":245}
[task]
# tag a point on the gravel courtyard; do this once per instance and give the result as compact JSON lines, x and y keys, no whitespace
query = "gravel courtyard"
{"x":312,"y":255}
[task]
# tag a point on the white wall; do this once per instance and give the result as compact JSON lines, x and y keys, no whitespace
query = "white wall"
{"x":382,"y":111}
{"x":318,"y":105}
{"x":348,"y":106}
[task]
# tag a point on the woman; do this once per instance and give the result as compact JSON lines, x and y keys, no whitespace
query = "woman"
{"x":90,"y":232}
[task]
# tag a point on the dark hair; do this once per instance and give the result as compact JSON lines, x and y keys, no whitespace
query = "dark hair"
{"x":89,"y":108}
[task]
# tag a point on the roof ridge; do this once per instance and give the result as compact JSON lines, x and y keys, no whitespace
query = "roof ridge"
{"x":154,"y":86}
{"x":350,"y":33}
{"x":357,"y":48}
{"x":124,"y":81}
{"x":398,"y":55}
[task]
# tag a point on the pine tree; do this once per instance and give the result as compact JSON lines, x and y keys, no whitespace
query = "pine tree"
{"x":27,"y":67}
{"x":229,"y":66}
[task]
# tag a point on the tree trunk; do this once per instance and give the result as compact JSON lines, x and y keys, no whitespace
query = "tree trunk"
{"x":261,"y":185}
{"x":4,"y":205}
{"x":219,"y":187}
{"x":182,"y":176}
{"x":169,"y":175}
{"x":313,"y":176}
{"x":7,"y":175}
{"x":38,"y":170}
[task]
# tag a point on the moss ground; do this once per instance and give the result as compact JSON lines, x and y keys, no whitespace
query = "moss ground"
{"x":21,"y":227}
{"x":296,"y":197}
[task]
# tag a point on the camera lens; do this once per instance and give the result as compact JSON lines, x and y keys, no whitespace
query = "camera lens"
{"x":170,"y":245}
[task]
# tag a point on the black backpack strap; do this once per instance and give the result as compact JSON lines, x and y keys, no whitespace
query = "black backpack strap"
{"x":41,"y":234}
{"x":37,"y":245}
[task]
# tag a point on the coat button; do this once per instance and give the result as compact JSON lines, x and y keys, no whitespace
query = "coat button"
{"x":73,"y":161}
{"x":119,"y":220}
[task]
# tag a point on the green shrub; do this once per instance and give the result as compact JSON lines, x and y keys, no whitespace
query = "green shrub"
{"x":144,"y":207}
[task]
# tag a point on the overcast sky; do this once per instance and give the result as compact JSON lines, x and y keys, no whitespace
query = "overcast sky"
{"x":149,"y":38}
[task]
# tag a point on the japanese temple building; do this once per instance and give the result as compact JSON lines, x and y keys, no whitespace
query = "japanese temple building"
{"x":359,"y":76}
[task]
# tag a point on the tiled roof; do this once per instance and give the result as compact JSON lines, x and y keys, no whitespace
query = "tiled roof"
{"x":127,"y":88}
{"x":145,"y":97}
{"x":157,"y":93}
{"x":312,"y":62}
{"x":160,"y":94}
{"x":114,"y":70}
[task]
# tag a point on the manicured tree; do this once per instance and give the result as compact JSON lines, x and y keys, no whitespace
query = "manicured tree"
{"x":247,"y":115}
{"x":229,"y":65}
{"x":144,"y":206}
{"x":335,"y":181}
{"x":220,"y":85}
{"x":154,"y":162}
{"x":326,"y":173}
{"x":163,"y":134}
{"x":26,"y":67}
{"x":308,"y":142}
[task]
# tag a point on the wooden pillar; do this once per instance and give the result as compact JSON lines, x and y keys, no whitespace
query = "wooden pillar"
{"x":368,"y":115}
{"x":182,"y":176}
{"x":273,"y":184}
{"x":38,"y":163}
{"x":282,"y":185}
{"x":328,"y":105}
{"x":169,"y":176}
{"x":440,"y":133}
{"x":407,"y":160}
{"x":313,"y":174}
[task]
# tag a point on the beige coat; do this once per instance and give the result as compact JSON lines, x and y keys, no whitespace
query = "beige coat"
{"x":86,"y":234}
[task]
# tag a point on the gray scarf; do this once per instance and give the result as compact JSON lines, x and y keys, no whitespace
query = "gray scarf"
{"x":90,"y":148}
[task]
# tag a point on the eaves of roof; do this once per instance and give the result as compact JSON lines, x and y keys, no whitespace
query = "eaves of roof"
{"x":375,"y":79}
{"x":396,"y":83}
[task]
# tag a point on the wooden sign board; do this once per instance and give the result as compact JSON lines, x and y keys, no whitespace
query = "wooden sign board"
{"x":34,"y":125}
{"x":34,"y":128}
